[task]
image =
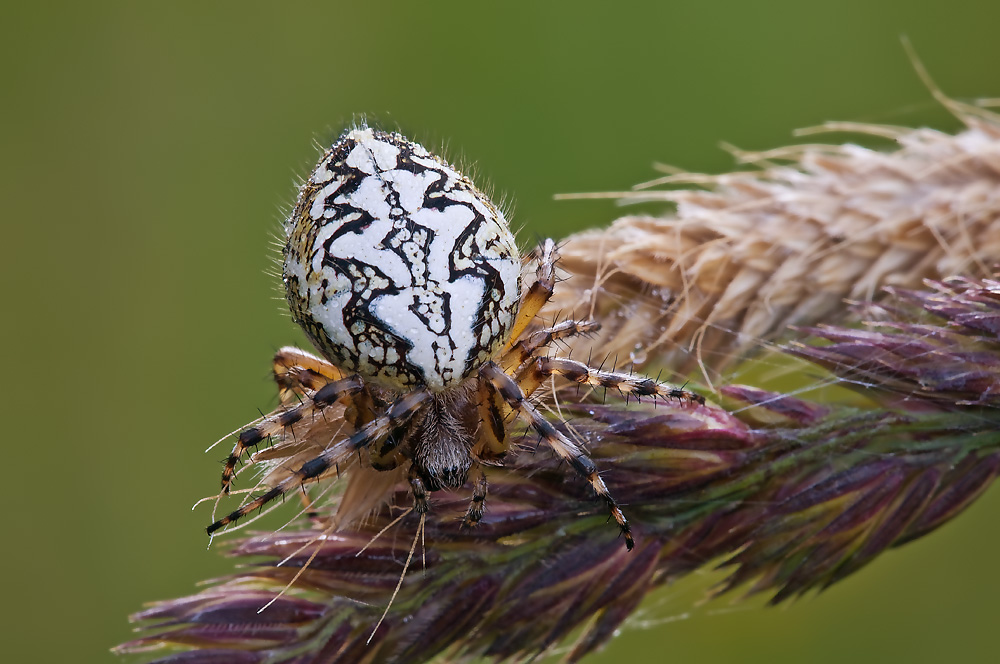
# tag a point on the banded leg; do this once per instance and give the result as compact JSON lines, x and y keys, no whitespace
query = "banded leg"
{"x":294,"y":368}
{"x":276,"y":422}
{"x":475,"y":512}
{"x":398,"y":413}
{"x":524,"y":349}
{"x":567,"y":450}
{"x":493,"y":412}
{"x":290,"y":356}
{"x":419,"y":491}
{"x":384,"y":455}
{"x":491,"y":440}
{"x":539,"y":292}
{"x":627,"y":384}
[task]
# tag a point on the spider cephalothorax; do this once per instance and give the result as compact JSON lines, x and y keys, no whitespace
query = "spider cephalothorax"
{"x":407,"y":280}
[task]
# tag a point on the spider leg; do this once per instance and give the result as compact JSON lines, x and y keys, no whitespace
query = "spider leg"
{"x":640,"y":386}
{"x":568,"y":450}
{"x":384,"y":456}
{"x":539,"y":292}
{"x":525,"y":348}
{"x":475,"y":512}
{"x":420,"y":492}
{"x":299,"y":375}
{"x":491,"y":445}
{"x":399,"y":412}
{"x":288,"y":357}
{"x":276,"y":422}
{"x":493,"y":411}
{"x":294,"y":369}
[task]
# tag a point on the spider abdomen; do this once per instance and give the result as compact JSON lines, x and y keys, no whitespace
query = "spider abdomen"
{"x":397,"y":267}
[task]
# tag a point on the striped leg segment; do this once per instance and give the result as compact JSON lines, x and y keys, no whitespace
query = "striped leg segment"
{"x":289,"y":357}
{"x":639,"y":386}
{"x":276,"y":422}
{"x":524,"y":349}
{"x":419,"y":491}
{"x":567,"y":450}
{"x":296,"y":371}
{"x":398,"y":413}
{"x":493,"y":412}
{"x":492,"y":444}
{"x":539,"y":292}
{"x":475,"y":512}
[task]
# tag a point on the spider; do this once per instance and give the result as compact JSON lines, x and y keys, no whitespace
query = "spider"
{"x":407,"y":280}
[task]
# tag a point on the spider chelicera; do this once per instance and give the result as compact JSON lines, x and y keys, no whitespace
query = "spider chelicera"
{"x":407,"y":280}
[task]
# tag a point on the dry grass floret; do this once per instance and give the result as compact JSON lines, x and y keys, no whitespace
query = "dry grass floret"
{"x":748,"y":253}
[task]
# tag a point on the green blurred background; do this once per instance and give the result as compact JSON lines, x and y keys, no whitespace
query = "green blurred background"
{"x":149,"y":149}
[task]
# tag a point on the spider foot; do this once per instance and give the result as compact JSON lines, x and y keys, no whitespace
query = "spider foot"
{"x":476,"y":507}
{"x":420,"y":505}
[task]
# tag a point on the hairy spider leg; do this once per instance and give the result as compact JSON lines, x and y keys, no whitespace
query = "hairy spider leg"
{"x":288,"y":357}
{"x":397,"y":414}
{"x":491,"y":439}
{"x":299,"y":375}
{"x":627,"y":384}
{"x":492,"y":445}
{"x":420,"y":493}
{"x":275,"y":423}
{"x":294,"y":368}
{"x":539,"y":292}
{"x":297,"y":384}
{"x":524,"y":349}
{"x":384,"y":455}
{"x":478,"y":503}
{"x":565,"y":448}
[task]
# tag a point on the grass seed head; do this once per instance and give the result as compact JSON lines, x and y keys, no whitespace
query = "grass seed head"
{"x":791,"y":495}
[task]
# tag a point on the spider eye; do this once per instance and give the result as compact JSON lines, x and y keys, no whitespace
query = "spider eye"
{"x":396,"y":266}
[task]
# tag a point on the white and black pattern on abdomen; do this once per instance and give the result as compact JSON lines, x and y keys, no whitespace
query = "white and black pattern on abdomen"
{"x":397,"y":267}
